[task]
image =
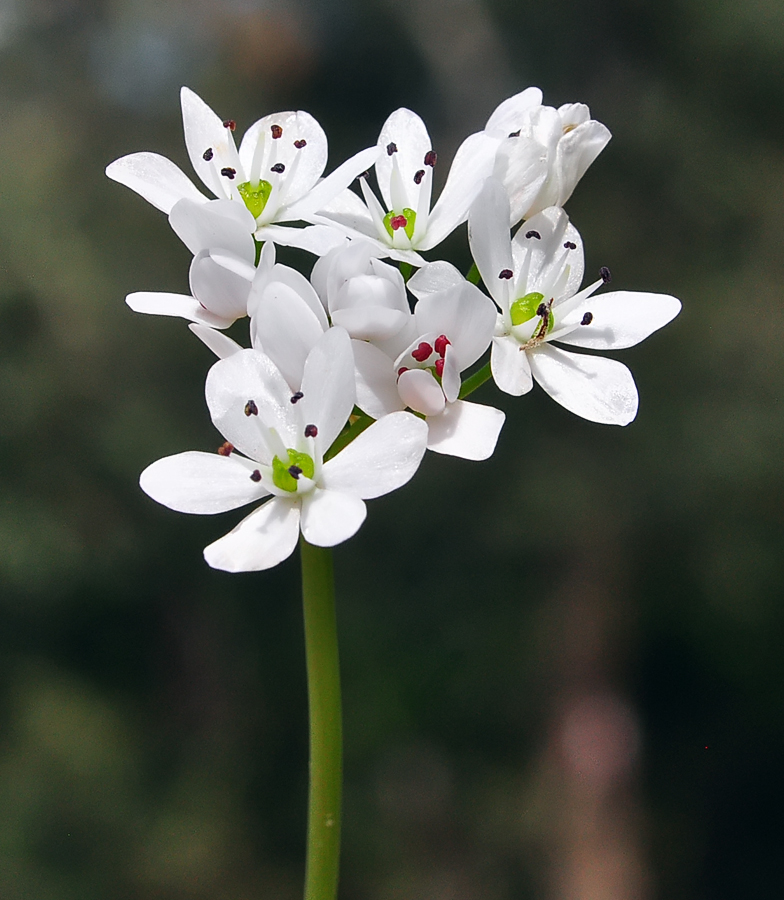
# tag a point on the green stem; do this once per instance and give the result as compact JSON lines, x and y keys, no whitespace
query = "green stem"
{"x":476,"y":380}
{"x":473,"y":274}
{"x":326,"y":732}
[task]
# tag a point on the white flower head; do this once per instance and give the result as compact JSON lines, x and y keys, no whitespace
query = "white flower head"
{"x":535,"y":280}
{"x":275,"y":448}
{"x":274,"y":174}
{"x":542,"y":151}
{"x":404,"y":223}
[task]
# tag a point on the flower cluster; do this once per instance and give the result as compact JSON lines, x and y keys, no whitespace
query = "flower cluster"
{"x":353,"y":373}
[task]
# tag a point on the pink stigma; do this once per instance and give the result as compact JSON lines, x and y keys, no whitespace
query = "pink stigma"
{"x":398,"y":222}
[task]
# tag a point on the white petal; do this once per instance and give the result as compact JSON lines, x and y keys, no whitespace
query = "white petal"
{"x":157,"y":303}
{"x":262,"y":540}
{"x":468,"y":430}
{"x":510,"y":368}
{"x":329,"y":517}
{"x":547,"y":255}
{"x":522,"y":166}
{"x":214,"y":225}
{"x":294,"y":280}
{"x":450,"y":376}
{"x":421,"y":392}
{"x":219,"y":290}
{"x":434,"y":277}
{"x":472,"y":164}
{"x":287,"y":330}
{"x":377,"y":392}
{"x":576,"y":151}
{"x":316,"y":239}
{"x":250,"y":375}
{"x":383,"y":458}
{"x":220,"y":344}
{"x":509,"y":115}
{"x":329,"y":386}
{"x":488,"y":235}
{"x":202,"y":483}
{"x":598,"y":389}
{"x":374,"y":323}
{"x":203,"y":129}
{"x":621,"y":319}
{"x":408,"y":133}
{"x":350,"y":212}
{"x":155,"y":178}
{"x":325,"y":192}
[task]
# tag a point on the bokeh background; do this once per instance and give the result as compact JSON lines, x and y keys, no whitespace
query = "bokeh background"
{"x":563,"y":667}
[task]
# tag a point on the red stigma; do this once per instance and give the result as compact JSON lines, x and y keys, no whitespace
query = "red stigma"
{"x":398,"y":222}
{"x":401,"y":370}
{"x":422,"y":352}
{"x":441,"y":343}
{"x":230,"y":124}
{"x":440,"y":367}
{"x":277,"y":131}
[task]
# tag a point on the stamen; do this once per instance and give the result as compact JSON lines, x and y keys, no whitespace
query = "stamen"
{"x":391,"y":148}
{"x":506,"y":274}
{"x":277,"y":131}
{"x":255,"y":475}
{"x":208,"y":154}
{"x":587,"y":319}
{"x":604,"y":272}
{"x":542,"y":310}
{"x":225,"y":449}
{"x":398,"y":222}
{"x":441,"y":343}
{"x":440,"y":368}
{"x":251,"y":409}
{"x":297,"y":397}
{"x":431,"y":158}
{"x":570,"y":246}
{"x":533,"y":234}
{"x":515,"y":133}
{"x":422,"y":352}
{"x":295,"y":472}
{"x":418,"y":176}
{"x":229,"y":173}
{"x":230,"y":124}
{"x":311,"y":431}
{"x":365,"y":174}
{"x":300,"y":144}
{"x":278,"y":167}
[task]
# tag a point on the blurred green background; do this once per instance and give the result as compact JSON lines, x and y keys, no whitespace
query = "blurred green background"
{"x":563,"y":667}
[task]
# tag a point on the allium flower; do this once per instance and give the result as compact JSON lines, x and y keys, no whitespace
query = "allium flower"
{"x":542,"y":152}
{"x":274,"y":174}
{"x":453,"y":329}
{"x":534,"y":279}
{"x":275,"y":447}
{"x":405,"y":223}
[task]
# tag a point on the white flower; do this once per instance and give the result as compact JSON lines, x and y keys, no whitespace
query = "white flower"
{"x":534,"y":279}
{"x":453,"y":328}
{"x":405,"y":224}
{"x":274,"y":174}
{"x":542,"y":152}
{"x":284,"y":438}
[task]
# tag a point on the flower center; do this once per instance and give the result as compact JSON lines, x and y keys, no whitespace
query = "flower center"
{"x":255,"y":196}
{"x":405,"y":220}
{"x":286,"y":474}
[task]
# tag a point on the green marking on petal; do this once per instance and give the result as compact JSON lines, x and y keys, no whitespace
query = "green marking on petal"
{"x":282,"y":478}
{"x":255,"y":197}
{"x":408,"y":217}
{"x":525,"y":308}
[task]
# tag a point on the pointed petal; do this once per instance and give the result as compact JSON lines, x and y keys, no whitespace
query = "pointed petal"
{"x":467,"y":430}
{"x":598,"y":389}
{"x":220,"y":344}
{"x":621,"y":319}
{"x":329,"y":386}
{"x":383,"y":458}
{"x":157,"y":303}
{"x":473,"y":163}
{"x":214,"y":225}
{"x":262,"y":540}
{"x":408,"y":133}
{"x":203,"y":129}
{"x":202,"y":483}
{"x":329,"y":517}
{"x":488,"y":236}
{"x":510,"y":368}
{"x":155,"y":178}
{"x":333,"y":186}
{"x":250,"y":375}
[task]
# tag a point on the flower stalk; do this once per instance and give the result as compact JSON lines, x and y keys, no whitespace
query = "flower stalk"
{"x":326,"y":731}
